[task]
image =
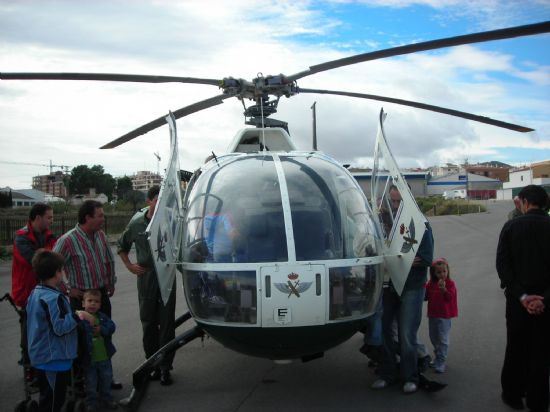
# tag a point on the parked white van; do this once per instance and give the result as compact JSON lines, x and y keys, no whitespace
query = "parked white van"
{"x":455,"y":194}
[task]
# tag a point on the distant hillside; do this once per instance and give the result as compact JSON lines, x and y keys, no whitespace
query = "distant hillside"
{"x":493,"y":163}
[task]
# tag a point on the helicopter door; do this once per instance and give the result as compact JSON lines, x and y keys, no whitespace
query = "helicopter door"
{"x":165,"y":228}
{"x":401,"y":220}
{"x":293,"y":295}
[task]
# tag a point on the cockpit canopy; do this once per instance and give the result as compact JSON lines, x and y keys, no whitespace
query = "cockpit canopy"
{"x":277,"y":208}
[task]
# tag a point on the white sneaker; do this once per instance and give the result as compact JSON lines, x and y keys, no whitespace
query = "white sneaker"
{"x":410,"y":387}
{"x":379,"y":384}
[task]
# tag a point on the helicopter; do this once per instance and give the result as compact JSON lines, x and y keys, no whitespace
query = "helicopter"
{"x":281,"y":254}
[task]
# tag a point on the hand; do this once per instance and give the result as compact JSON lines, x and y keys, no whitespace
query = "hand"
{"x":136,"y":269}
{"x":96,"y":331}
{"x":110,"y":290}
{"x":417,"y":261}
{"x":536,"y":307}
{"x":76,"y":293}
{"x":83,"y":315}
{"x":533,"y":304}
{"x":441,"y":284}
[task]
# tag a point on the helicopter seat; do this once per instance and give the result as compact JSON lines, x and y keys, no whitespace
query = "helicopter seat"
{"x":310,"y":234}
{"x":266,"y":238}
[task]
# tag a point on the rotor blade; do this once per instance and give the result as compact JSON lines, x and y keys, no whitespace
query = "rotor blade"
{"x":438,"y":109}
{"x":184,"y":111}
{"x":508,"y":33}
{"x":112,"y":77}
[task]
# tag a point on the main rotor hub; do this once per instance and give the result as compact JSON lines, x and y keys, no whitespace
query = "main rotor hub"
{"x":259,"y":90}
{"x":277,"y":85}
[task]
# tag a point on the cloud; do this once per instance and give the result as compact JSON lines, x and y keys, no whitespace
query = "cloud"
{"x":67,"y":121}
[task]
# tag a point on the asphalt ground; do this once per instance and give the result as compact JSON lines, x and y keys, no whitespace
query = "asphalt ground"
{"x":209,"y":377}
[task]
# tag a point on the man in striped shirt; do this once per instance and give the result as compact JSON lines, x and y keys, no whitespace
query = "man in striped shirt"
{"x":89,"y":262}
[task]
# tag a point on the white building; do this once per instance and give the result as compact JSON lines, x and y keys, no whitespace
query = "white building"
{"x":448,"y":169}
{"x":144,"y":180}
{"x":534,"y":174}
{"x":28,"y":197}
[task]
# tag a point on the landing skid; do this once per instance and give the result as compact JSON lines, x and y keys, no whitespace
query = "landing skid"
{"x":141,"y":375}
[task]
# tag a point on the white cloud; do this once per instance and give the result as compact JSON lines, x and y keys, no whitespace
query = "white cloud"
{"x":67,"y":121}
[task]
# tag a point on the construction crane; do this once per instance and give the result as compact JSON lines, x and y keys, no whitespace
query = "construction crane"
{"x":51,"y":166}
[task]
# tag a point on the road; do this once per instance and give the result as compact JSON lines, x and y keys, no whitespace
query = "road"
{"x":209,"y":377}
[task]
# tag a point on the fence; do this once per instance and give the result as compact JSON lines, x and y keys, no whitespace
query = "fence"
{"x":114,"y":224}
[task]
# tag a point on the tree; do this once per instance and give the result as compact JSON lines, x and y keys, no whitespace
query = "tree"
{"x":123,"y":186}
{"x":134,"y":197}
{"x":84,"y":178}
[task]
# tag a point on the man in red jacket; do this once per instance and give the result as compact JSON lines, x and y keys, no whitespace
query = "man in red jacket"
{"x":35,"y":235}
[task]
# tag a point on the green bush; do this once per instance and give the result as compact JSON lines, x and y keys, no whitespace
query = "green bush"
{"x":60,"y":208}
{"x":427,"y":204}
{"x":128,"y":206}
{"x":437,"y":206}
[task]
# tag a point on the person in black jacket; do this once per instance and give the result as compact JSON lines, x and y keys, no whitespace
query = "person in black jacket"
{"x":523,"y":266}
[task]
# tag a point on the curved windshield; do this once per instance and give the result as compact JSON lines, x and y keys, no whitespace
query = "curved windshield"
{"x":235,"y":214}
{"x":330,"y":216}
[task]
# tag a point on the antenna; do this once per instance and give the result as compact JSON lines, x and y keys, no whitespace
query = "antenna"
{"x":314,"y":126}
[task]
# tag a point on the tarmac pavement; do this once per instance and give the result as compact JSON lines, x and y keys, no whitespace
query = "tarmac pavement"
{"x":209,"y":377}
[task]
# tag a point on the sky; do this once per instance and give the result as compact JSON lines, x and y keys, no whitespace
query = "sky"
{"x":66,"y":122}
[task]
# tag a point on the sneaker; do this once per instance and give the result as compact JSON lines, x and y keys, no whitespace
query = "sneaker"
{"x":440,"y":368}
{"x":410,"y":387}
{"x":423,"y":363}
{"x":379,"y":384}
{"x":111,"y":405}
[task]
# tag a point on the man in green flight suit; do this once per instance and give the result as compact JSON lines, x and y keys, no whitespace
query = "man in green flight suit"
{"x":157,"y":319}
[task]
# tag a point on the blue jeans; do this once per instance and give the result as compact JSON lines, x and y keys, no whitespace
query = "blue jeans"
{"x":373,"y":336}
{"x":407,"y":309}
{"x":439,"y":335}
{"x":99,"y":376}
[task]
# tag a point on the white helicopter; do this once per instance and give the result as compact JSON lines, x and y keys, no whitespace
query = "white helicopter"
{"x":281,"y":254}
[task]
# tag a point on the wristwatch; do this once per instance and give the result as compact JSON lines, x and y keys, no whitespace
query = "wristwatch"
{"x":522,"y":297}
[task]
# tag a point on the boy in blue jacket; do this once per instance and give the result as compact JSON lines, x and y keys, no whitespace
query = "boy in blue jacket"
{"x":51,"y":331}
{"x":99,"y":371}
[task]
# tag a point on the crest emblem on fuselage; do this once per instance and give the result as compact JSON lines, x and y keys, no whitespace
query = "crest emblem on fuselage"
{"x":408,"y":234}
{"x":161,"y":245}
{"x":293,"y":285}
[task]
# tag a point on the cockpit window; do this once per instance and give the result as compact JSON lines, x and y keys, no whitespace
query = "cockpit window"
{"x":330,"y":217}
{"x":235,"y":214}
